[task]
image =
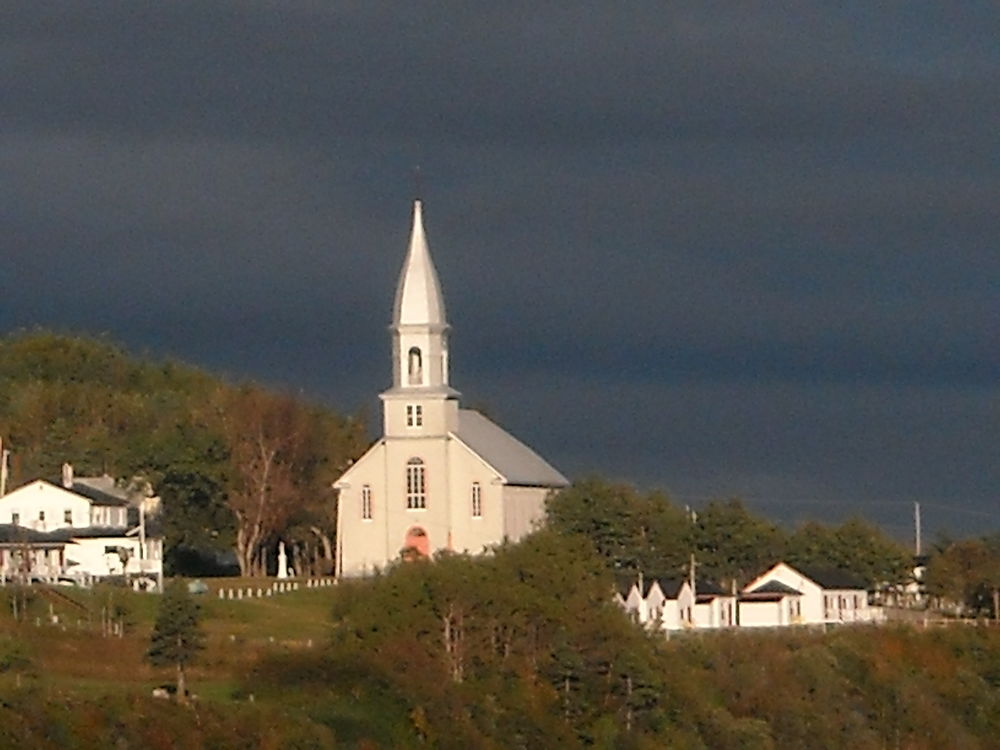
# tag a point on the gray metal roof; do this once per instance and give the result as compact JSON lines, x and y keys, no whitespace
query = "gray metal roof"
{"x":516,"y":462}
{"x":99,"y":490}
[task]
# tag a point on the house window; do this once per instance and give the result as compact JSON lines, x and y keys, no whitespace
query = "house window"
{"x":414,"y":415}
{"x":415,"y":367}
{"x":68,"y":517}
{"x":477,"y":500}
{"x":366,"y":502}
{"x":416,"y":485}
{"x":15,"y":518}
{"x":41,"y":515}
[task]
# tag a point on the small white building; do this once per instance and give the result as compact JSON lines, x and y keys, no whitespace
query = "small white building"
{"x":80,"y":531}
{"x":826,"y":596}
{"x":713,"y":607}
{"x":659,"y":604}
{"x":771,"y":605}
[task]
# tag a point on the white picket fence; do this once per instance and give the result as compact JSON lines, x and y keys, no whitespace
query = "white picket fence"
{"x":276,"y":587}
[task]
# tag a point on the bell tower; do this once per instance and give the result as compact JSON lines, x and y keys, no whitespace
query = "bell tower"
{"x":420,"y":402}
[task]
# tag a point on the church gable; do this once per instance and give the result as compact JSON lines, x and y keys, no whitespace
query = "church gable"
{"x":360,"y":465}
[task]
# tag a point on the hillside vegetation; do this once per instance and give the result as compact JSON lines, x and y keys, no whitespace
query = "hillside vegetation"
{"x":237,"y":466}
{"x":520,"y":649}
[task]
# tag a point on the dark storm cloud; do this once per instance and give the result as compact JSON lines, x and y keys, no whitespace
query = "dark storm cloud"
{"x":671,"y":230}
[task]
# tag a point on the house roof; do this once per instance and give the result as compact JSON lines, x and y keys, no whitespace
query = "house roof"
{"x":671,"y":587}
{"x":832,"y":578}
{"x":516,"y":462}
{"x":709,"y":588}
{"x":624,"y":583}
{"x":100,"y":490}
{"x":89,"y":532}
{"x":13,"y":534}
{"x":775,"y":587}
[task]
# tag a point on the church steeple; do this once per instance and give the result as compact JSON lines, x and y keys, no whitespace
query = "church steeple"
{"x":418,"y":294}
{"x":419,"y":345}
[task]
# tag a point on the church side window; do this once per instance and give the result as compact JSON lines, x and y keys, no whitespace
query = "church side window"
{"x":414,"y":415}
{"x":477,"y":500}
{"x":366,"y":502}
{"x":416,"y":485}
{"x":415,"y":366}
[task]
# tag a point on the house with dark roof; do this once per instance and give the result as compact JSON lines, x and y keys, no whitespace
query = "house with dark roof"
{"x":713,"y":607}
{"x":79,"y":531}
{"x":826,"y":596}
{"x":771,"y":605}
{"x":441,"y":477}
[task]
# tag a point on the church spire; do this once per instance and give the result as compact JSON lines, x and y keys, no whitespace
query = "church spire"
{"x":418,"y":295}
{"x":419,"y":326}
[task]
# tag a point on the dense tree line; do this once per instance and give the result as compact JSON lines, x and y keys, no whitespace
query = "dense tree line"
{"x":523,"y":648}
{"x":966,"y":573}
{"x":237,"y":466}
{"x":646,"y":533}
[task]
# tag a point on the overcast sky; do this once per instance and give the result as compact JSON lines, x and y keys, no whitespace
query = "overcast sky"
{"x":744,"y":248}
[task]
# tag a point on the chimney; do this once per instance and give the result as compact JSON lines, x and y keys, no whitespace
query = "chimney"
{"x":67,"y":477}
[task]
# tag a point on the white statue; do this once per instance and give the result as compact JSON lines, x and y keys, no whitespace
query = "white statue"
{"x":282,"y":561}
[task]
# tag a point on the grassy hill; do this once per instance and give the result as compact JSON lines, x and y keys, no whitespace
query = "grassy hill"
{"x":545,"y":661}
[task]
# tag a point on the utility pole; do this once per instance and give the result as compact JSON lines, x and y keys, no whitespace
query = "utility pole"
{"x":692,"y":575}
{"x":4,"y":471}
{"x":916,"y":528}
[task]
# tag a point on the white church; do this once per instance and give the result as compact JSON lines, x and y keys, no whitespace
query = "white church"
{"x":441,"y":477}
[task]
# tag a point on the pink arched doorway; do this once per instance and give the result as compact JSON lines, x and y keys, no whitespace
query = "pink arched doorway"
{"x":417,"y":542}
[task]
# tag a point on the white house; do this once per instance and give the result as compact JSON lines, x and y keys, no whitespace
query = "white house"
{"x":659,"y":604}
{"x":441,"y":477}
{"x":713,"y":607}
{"x":827,"y":596}
{"x":771,"y":605}
{"x":78,"y":531}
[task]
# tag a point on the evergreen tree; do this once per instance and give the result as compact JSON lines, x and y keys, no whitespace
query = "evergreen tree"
{"x":177,"y":637}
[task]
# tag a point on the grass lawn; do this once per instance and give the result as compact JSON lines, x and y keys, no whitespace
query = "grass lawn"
{"x":67,"y":646}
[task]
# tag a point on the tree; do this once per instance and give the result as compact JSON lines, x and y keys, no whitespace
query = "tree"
{"x":735,"y":545}
{"x":967,"y":573}
{"x":633,"y":531}
{"x":177,"y":637}
{"x":855,"y":546}
{"x":284,"y":454}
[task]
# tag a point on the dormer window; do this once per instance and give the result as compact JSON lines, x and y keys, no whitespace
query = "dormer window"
{"x":415,"y":366}
{"x":414,"y":415}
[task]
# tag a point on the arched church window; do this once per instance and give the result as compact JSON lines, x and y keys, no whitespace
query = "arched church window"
{"x":416,"y":485}
{"x":477,"y":500}
{"x":415,"y":367}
